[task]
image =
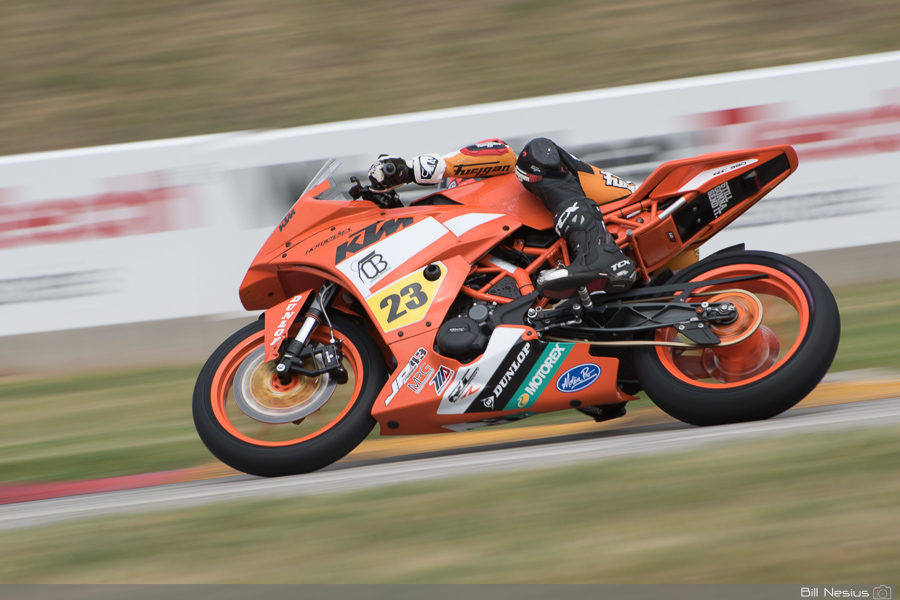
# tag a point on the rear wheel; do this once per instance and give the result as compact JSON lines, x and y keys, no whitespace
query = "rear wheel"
{"x":776,"y":350}
{"x":253,"y":422}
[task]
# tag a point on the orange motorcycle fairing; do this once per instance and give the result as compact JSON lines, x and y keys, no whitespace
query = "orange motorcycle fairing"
{"x":310,"y":219}
{"x":503,"y":194}
{"x":685,"y":202}
{"x":518,"y":375}
{"x":404,"y":268}
{"x":278,"y":322}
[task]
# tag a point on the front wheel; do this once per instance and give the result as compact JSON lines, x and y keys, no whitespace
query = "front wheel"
{"x":253,"y":422}
{"x":786,"y":331}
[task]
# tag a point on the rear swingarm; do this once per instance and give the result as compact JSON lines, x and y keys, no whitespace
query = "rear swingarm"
{"x":625,"y":315}
{"x":690,"y":319}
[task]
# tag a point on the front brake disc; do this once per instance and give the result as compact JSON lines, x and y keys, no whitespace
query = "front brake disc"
{"x":262,"y":396}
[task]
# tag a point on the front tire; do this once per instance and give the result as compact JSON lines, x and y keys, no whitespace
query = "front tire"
{"x":769,"y":372}
{"x":310,"y":443}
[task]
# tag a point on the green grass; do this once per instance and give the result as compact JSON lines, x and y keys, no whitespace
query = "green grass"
{"x":107,"y":424}
{"x":870,"y":327}
{"x":811,"y":508}
{"x":104,"y":71}
{"x":98,"y":425}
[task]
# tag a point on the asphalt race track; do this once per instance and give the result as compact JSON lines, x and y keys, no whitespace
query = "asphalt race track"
{"x":607,"y":442}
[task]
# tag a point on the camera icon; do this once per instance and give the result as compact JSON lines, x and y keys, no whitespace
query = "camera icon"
{"x":882,"y":592}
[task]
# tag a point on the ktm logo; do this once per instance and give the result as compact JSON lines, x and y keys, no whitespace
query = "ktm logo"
{"x":368,"y":236}
{"x":286,"y":220}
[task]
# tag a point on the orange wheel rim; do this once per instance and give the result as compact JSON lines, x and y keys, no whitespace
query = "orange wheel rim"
{"x":253,"y":432}
{"x":785,"y":315}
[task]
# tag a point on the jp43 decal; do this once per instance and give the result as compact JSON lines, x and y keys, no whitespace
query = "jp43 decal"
{"x":405,"y":302}
{"x":578,"y":378}
{"x":406,"y":373}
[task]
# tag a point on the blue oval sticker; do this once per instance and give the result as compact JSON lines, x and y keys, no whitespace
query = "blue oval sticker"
{"x":578,"y":378}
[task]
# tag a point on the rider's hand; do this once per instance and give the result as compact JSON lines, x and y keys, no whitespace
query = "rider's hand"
{"x":389,"y":172}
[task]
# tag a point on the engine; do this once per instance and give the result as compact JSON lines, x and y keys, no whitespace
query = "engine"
{"x":465,"y":332}
{"x":465,"y":336}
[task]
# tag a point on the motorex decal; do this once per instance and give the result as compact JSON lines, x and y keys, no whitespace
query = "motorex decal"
{"x":538,"y":378}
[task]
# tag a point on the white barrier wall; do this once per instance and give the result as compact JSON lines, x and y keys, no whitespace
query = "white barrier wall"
{"x":166,"y":229}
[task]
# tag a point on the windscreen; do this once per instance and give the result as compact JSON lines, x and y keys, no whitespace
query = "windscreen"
{"x":333,"y":192}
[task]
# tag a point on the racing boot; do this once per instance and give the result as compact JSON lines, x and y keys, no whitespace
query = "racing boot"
{"x":595,"y":257}
{"x":549,"y":172}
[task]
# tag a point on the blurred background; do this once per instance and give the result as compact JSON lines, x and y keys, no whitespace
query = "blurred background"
{"x":149,"y":148}
{"x":98,"y":72}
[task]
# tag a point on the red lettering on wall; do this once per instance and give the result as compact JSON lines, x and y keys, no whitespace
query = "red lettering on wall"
{"x":821,"y":137}
{"x":110,"y":215}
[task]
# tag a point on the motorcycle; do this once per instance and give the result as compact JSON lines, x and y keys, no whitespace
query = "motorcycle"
{"x":425,"y":319}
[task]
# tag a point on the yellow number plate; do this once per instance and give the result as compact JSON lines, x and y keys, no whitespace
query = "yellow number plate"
{"x":406,"y":301}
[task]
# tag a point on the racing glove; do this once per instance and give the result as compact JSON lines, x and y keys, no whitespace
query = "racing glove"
{"x":390,"y":172}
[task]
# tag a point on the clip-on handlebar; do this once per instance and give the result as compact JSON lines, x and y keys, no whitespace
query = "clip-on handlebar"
{"x":384,"y":199}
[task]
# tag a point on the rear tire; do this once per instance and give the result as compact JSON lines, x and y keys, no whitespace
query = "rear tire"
{"x":798,"y":310}
{"x":311,"y":443}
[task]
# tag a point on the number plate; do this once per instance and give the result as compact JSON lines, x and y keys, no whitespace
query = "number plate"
{"x":406,"y":301}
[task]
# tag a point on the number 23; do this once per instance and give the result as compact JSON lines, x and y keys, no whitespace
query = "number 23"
{"x":414,"y":296}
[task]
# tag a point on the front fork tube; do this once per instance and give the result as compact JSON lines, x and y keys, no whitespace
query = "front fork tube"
{"x":325,"y":359}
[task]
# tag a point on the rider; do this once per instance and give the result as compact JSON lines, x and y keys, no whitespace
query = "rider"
{"x":568,"y":187}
